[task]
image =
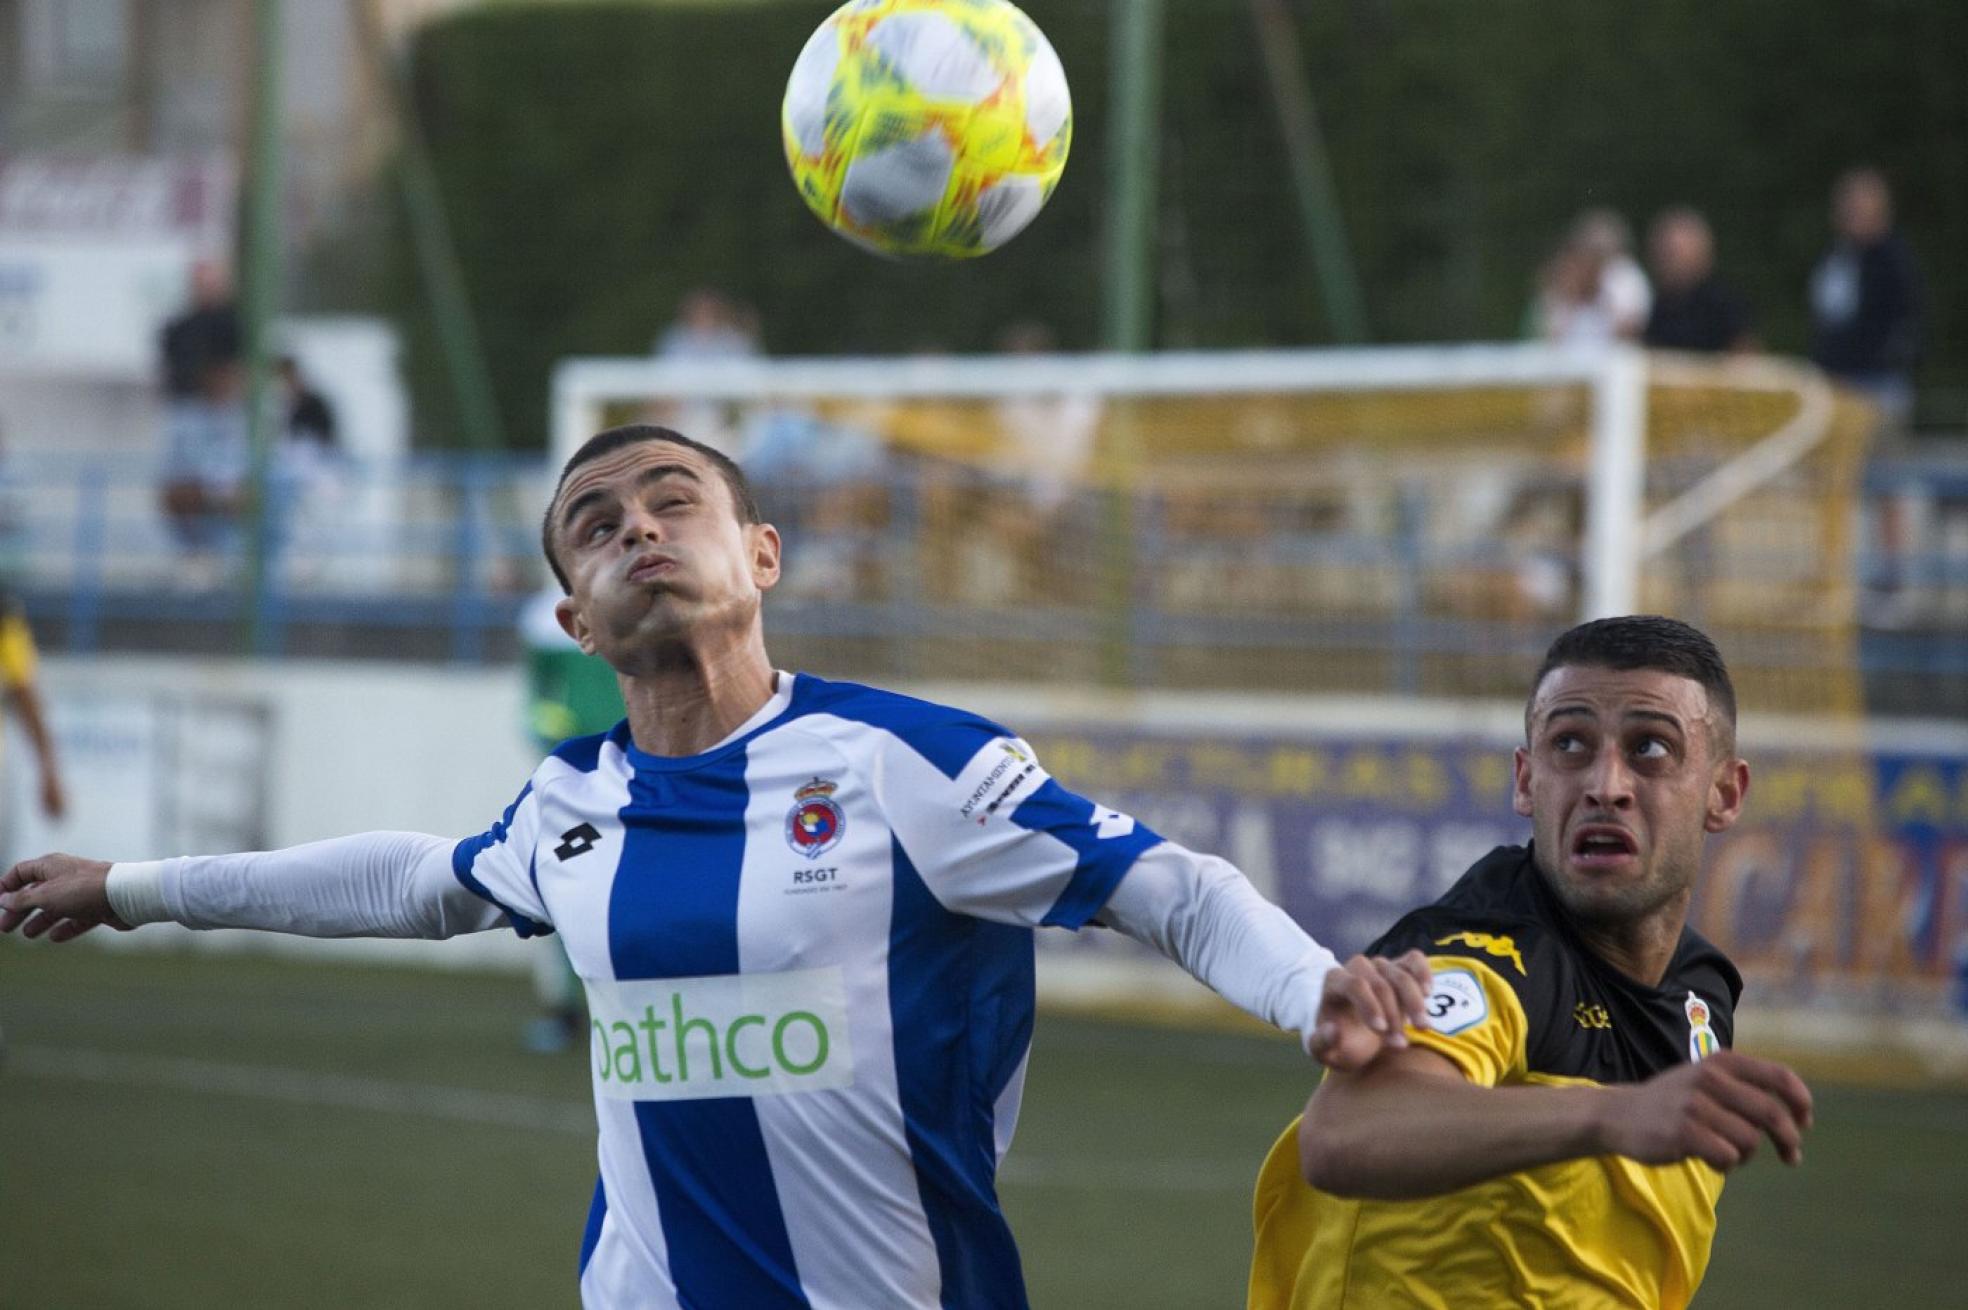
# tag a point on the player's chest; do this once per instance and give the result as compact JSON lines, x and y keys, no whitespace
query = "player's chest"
{"x":776,"y":869}
{"x":1612,"y":1035}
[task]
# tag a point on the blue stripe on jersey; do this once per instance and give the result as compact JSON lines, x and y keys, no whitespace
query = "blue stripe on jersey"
{"x":673,"y":913}
{"x":960,"y":1001}
{"x":1103,"y":860}
{"x":466,"y":852}
{"x":597,"y":1211}
{"x":949,"y":739}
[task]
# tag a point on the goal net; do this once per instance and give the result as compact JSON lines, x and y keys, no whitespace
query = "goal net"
{"x":1416,"y":522}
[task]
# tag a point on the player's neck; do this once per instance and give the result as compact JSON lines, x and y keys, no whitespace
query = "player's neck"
{"x":1643,"y":948}
{"x":695,"y":702}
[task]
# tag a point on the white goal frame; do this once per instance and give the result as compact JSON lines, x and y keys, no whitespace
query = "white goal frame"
{"x":1620,"y":534}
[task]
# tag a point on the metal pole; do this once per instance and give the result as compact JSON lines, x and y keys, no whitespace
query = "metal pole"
{"x":438,"y":265}
{"x":1312,"y":184}
{"x":258,"y":303}
{"x":1135,"y":121}
{"x":1614,"y":484}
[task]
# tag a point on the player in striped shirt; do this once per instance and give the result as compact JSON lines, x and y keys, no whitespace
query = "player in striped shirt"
{"x":803,"y":914}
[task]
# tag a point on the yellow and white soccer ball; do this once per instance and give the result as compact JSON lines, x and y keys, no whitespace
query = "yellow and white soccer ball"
{"x":927,"y":127}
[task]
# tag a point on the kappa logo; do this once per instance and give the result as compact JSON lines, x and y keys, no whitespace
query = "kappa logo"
{"x":1504,"y":948}
{"x":577,"y":840}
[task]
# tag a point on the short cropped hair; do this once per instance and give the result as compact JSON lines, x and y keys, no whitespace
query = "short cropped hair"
{"x":1646,"y":641}
{"x":612,"y":440}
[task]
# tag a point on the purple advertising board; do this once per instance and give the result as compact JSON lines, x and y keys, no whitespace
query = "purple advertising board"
{"x":1848,"y":873}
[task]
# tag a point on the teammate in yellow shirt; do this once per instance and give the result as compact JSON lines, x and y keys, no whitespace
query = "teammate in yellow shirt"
{"x":18,"y":665}
{"x":1557,"y":1136}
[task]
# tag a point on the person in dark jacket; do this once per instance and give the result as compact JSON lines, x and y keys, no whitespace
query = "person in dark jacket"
{"x":1694,"y":309}
{"x":1865,"y":298}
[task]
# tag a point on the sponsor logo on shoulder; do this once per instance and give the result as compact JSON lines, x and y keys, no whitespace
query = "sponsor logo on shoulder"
{"x":1701,"y":1037}
{"x":998,"y":779}
{"x":815,"y":823}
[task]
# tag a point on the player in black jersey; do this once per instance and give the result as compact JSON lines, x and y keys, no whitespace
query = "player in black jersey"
{"x":1557,"y":1135}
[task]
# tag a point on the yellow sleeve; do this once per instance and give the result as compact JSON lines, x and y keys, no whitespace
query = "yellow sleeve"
{"x":1284,"y":1214}
{"x":16,"y":652}
{"x":1476,"y":1020}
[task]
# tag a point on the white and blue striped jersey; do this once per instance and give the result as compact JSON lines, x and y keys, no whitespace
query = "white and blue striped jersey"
{"x":808,"y":957}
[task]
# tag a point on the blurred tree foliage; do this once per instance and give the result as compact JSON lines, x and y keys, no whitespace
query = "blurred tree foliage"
{"x":599,"y":160}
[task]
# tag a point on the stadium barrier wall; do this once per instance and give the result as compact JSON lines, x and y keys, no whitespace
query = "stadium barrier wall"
{"x":1843,"y":894}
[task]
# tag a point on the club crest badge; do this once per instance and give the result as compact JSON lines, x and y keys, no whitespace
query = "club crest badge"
{"x":814,"y":825}
{"x":1701,"y":1037}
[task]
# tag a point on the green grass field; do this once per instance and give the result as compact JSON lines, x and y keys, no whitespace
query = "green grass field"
{"x":199,"y":1131}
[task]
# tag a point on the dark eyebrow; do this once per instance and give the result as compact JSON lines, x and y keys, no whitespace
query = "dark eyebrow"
{"x":1587,"y":712}
{"x":654,"y":473}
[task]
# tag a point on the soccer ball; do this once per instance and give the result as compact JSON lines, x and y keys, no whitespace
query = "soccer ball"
{"x":927,"y":127}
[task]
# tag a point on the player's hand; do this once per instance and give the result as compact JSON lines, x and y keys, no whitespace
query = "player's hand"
{"x":62,"y":896}
{"x":1365,"y":1007}
{"x":1719,"y":1109}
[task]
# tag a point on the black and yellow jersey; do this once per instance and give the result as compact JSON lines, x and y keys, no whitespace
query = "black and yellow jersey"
{"x":1518,"y":1000}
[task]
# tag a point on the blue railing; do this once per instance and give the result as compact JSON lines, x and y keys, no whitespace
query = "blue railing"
{"x":447,"y":547}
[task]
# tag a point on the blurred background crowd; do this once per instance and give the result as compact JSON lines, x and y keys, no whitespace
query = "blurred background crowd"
{"x":450,"y":219}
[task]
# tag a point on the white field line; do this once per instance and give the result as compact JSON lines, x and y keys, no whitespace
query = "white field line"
{"x":530,"y":1113}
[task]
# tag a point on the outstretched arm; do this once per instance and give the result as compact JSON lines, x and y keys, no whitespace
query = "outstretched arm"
{"x":1410,"y":1125}
{"x":1202,"y":913}
{"x":26,"y":702}
{"x":380,"y":884}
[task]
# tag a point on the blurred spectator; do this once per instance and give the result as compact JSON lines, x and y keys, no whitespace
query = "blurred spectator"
{"x":310,"y":418}
{"x":709,"y":327}
{"x":1591,"y":291}
{"x":1046,"y":444}
{"x":1865,"y":298}
{"x":1693,"y":308}
{"x":307,"y":470}
{"x":205,"y":431}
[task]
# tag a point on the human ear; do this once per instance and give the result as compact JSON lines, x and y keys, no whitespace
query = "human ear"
{"x":1520,"y":783}
{"x":765,"y":555}
{"x":574,"y":625}
{"x":1726,"y":792}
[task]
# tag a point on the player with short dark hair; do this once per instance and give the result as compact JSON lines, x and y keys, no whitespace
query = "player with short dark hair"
{"x":1556,"y":1134}
{"x":802,"y":911}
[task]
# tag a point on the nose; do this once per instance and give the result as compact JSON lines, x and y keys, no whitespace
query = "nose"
{"x":640,"y":527}
{"x":1609,"y":785}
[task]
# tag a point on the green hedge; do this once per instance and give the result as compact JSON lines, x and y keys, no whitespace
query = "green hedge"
{"x":598,"y":160}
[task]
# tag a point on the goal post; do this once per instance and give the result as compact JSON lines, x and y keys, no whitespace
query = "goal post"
{"x":1407,"y":520}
